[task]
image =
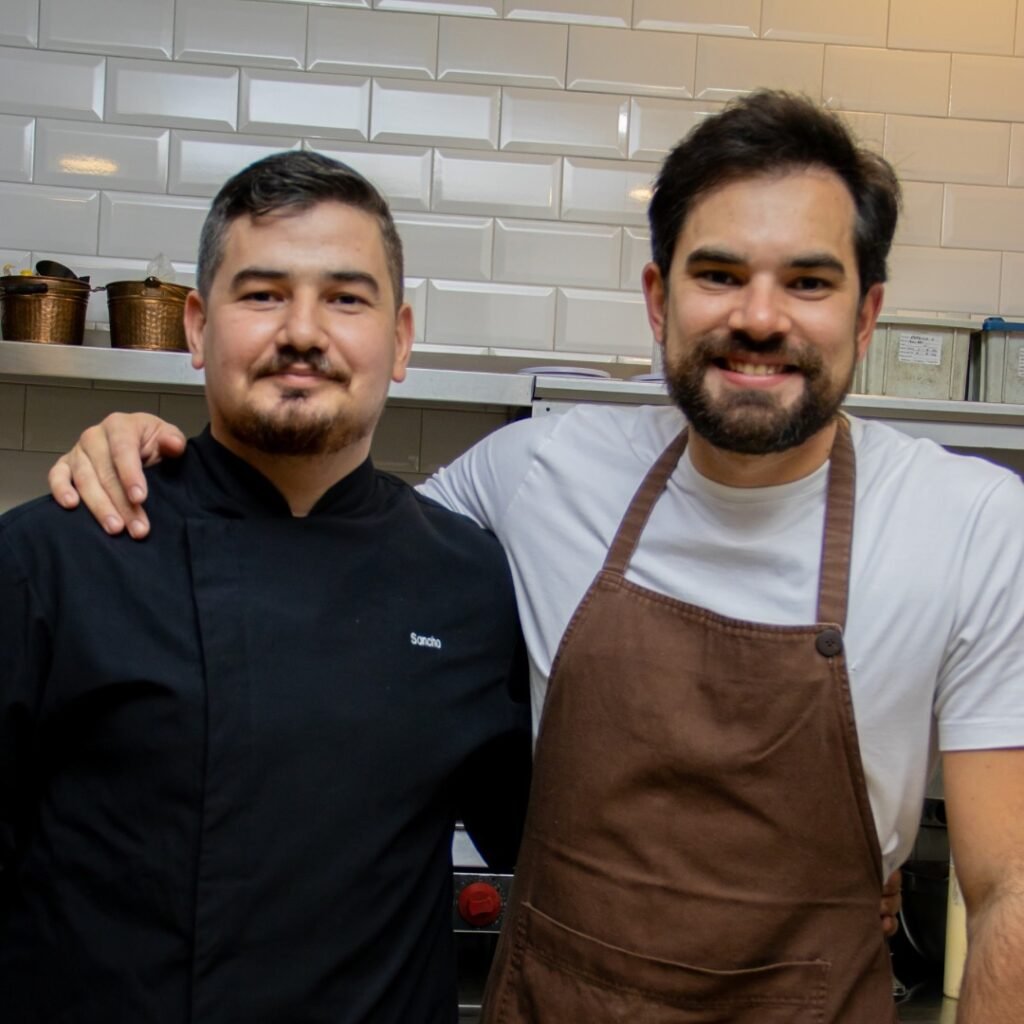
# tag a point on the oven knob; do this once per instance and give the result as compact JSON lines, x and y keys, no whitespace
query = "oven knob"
{"x":480,"y":904}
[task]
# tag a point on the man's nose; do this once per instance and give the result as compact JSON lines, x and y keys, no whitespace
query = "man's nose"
{"x":760,"y":311}
{"x":302,"y":327}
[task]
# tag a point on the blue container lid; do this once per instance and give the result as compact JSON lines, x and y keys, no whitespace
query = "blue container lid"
{"x":997,"y":323}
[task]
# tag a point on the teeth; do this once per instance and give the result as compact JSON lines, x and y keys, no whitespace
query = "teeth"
{"x":754,"y":369}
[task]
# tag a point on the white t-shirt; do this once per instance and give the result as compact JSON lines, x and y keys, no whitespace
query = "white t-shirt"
{"x":935,"y":629}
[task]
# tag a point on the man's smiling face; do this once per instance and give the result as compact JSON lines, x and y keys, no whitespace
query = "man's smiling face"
{"x":762,"y":320}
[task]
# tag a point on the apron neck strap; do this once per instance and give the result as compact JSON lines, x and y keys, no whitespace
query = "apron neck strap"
{"x":837,"y":538}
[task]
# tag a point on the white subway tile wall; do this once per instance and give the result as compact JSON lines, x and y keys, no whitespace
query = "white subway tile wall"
{"x":20,"y":23}
{"x":516,"y":139}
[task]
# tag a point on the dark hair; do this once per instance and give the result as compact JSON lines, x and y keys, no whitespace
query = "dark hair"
{"x":769,"y":132}
{"x":296,"y":180}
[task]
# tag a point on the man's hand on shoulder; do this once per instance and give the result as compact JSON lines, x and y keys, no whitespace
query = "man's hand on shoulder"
{"x":104,"y":469}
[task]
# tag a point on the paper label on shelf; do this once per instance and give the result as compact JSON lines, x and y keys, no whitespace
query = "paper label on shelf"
{"x":922,"y":349}
{"x":1020,"y":363}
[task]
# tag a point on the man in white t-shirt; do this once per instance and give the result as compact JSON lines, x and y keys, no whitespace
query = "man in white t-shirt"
{"x":752,"y":640}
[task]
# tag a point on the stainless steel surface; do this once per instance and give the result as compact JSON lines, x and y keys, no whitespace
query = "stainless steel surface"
{"x":21,"y":360}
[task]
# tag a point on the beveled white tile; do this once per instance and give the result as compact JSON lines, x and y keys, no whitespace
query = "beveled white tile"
{"x":47,"y":84}
{"x":202,"y":161}
{"x":129,"y":28}
{"x":707,"y":17}
{"x":989,"y":88}
{"x":886,"y":81}
{"x":16,"y":144}
{"x":43,"y":217}
{"x":447,"y":433}
{"x":636,"y":254}
{"x":415,"y":289}
{"x":1018,"y":46}
{"x":537,"y":252}
{"x":55,"y":416}
{"x":140,"y":225}
{"x":316,"y":106}
{"x":496,"y":183}
{"x":81,"y":155}
{"x":187,"y":412}
{"x":983,"y":217}
{"x":610,"y":323}
{"x":942,"y":280}
{"x":396,"y":440}
{"x":554,"y":121}
{"x":944,"y":149}
{"x":240,"y":31}
{"x":102,"y":270}
{"x":731,"y":67}
{"x":920,"y":220}
{"x":501,"y":52}
{"x":477,"y":8}
{"x":860,"y":24}
{"x":953,"y":25}
{"x":364,"y":4}
{"x":372,"y":43}
{"x":607,"y":191}
{"x":620,"y":60}
{"x":22,"y":477}
{"x":1016,"y":155}
{"x":20,"y":23}
{"x":868,"y":129}
{"x":490,"y":315}
{"x":434,"y":113}
{"x":12,"y":415}
{"x":401,"y":173}
{"x":176,"y":95}
{"x":438,"y":246}
{"x":608,"y":13}
{"x":656,"y":126}
{"x":1011,"y":288}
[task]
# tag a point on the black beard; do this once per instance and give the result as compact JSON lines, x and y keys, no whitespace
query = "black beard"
{"x":752,"y":422}
{"x":292,"y":433}
{"x":291,"y":430}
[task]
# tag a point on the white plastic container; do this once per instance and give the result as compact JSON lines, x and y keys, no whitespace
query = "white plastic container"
{"x":917,"y":359}
{"x":997,"y":368}
{"x":956,"y":938}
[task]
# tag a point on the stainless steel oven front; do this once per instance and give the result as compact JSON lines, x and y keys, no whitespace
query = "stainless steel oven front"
{"x":478,"y":910}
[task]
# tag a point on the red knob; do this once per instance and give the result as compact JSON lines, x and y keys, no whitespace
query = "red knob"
{"x":480,"y":904}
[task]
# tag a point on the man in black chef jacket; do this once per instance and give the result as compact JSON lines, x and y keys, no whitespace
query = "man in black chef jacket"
{"x":231,"y":756}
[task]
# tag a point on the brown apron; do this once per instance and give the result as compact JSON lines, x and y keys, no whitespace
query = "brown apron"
{"x":700,"y":846}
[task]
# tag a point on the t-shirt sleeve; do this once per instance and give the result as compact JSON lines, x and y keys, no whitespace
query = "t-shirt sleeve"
{"x":483,"y":482}
{"x":23,"y":656}
{"x":980,"y":698}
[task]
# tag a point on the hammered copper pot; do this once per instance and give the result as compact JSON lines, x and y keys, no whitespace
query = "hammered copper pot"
{"x":50,"y":310}
{"x":147,"y":314}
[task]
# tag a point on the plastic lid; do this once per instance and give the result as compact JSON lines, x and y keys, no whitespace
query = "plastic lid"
{"x":997,"y":323}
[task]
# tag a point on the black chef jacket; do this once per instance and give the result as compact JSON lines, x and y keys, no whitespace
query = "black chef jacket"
{"x":231,"y":755}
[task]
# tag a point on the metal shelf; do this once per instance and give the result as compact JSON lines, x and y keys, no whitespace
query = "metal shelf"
{"x":971,"y":425}
{"x":30,"y":361}
{"x":954,"y":424}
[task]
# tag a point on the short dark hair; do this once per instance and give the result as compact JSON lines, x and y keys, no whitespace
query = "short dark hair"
{"x":296,"y":180}
{"x":769,"y":132}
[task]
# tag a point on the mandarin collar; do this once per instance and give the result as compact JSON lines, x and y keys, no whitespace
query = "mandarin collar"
{"x":223,"y":483}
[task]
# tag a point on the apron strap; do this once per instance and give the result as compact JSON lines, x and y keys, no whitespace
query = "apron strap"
{"x":628,"y":534}
{"x":837,"y":536}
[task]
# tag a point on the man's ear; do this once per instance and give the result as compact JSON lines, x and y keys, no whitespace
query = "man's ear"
{"x":195,"y":321}
{"x":405,"y":330}
{"x":867,"y":317}
{"x":655,"y":296}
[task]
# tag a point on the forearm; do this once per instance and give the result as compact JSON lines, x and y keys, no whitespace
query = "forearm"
{"x":993,"y":984}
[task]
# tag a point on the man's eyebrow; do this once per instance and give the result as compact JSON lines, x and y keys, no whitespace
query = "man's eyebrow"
{"x":709,"y":254}
{"x":818,"y":261}
{"x":354,"y":277}
{"x":248,"y":274}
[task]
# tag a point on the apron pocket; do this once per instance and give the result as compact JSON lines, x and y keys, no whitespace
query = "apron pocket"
{"x":564,"y":975}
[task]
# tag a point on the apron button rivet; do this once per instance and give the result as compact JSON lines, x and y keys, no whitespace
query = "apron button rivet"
{"x":829,"y":642}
